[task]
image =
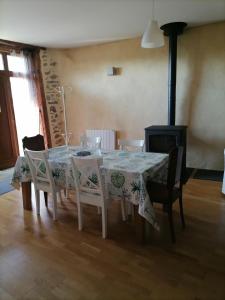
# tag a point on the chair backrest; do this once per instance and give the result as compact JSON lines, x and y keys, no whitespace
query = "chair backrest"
{"x":58,"y":151}
{"x":93,"y":142}
{"x":87,"y":176}
{"x":39,"y":167}
{"x":35,"y":143}
{"x":131,"y":144}
{"x":179,"y":165}
{"x":174,"y":166}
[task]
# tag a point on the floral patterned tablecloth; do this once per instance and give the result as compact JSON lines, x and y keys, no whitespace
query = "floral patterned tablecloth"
{"x":125,"y":174}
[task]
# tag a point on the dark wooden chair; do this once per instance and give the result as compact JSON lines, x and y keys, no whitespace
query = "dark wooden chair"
{"x":167,"y":194}
{"x":35,"y":143}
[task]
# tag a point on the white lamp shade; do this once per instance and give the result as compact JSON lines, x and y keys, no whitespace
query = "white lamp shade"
{"x":153,"y":36}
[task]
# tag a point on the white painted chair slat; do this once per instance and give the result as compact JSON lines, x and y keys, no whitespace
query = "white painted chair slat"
{"x":85,"y":172}
{"x":129,"y":145}
{"x":38,"y":164}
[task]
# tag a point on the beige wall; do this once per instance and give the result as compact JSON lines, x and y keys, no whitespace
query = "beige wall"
{"x":137,"y":98}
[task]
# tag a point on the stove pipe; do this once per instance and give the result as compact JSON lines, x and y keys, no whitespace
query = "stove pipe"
{"x":172,"y":30}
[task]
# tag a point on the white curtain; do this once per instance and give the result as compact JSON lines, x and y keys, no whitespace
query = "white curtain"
{"x":24,"y":96}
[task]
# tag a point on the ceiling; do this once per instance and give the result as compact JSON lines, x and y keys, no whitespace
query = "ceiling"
{"x":74,"y":23}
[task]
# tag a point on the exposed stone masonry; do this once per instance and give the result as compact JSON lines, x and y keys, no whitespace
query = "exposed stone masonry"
{"x":53,"y":99}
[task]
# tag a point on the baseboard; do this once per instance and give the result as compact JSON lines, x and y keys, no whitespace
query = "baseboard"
{"x":204,"y":174}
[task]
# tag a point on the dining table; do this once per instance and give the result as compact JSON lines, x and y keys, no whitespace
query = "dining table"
{"x":125,"y":175}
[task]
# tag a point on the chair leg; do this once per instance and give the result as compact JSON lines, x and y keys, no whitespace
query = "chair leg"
{"x":54,"y":198}
{"x":123,"y":210}
{"x":165,"y":207}
{"x":104,"y":222}
{"x":46,"y":198}
{"x":130,"y":209}
{"x":140,"y":226}
{"x":170,"y":215}
{"x":181,"y":211}
{"x":66,"y":193}
{"x":60,"y":196}
{"x":80,"y":217}
{"x":37,"y":197}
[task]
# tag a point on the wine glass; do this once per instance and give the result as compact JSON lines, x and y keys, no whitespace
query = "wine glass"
{"x":67,"y":137}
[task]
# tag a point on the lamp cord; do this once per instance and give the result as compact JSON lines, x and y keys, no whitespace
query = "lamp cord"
{"x":153,"y":9}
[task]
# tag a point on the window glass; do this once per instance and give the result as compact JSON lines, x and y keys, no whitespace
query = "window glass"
{"x":25,"y":109}
{"x":16,"y":63}
{"x":1,"y":62}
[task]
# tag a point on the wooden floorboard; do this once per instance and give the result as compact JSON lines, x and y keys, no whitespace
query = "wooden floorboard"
{"x":42,"y":259}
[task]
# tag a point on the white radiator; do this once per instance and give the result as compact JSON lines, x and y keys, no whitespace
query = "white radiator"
{"x":108,"y":137}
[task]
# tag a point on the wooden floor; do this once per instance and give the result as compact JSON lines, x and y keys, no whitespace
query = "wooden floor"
{"x":42,"y":259}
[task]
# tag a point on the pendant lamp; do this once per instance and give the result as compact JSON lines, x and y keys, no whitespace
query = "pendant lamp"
{"x":153,"y":35}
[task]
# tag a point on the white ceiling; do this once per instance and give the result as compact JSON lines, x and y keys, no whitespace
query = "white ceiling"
{"x":73,"y":23}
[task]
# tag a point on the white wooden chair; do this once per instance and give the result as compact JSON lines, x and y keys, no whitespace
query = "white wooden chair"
{"x":134,"y":145}
{"x":42,"y":177}
{"x":90,"y":188}
{"x":129,"y":145}
{"x":90,"y":141}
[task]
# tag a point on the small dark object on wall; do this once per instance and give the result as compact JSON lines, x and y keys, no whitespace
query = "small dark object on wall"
{"x":113,"y":71}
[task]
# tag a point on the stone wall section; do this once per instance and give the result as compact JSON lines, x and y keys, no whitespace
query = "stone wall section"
{"x":51,"y":82}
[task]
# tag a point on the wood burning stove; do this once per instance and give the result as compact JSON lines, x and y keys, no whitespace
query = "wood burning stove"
{"x":163,"y":138}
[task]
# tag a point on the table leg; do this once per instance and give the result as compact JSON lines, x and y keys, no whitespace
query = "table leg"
{"x":26,"y":194}
{"x":139,"y":226}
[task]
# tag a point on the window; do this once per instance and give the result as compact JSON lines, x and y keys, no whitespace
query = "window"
{"x":16,"y":63}
{"x":1,"y":62}
{"x":25,"y":109}
{"x":23,"y":95}
{"x":23,"y":91}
